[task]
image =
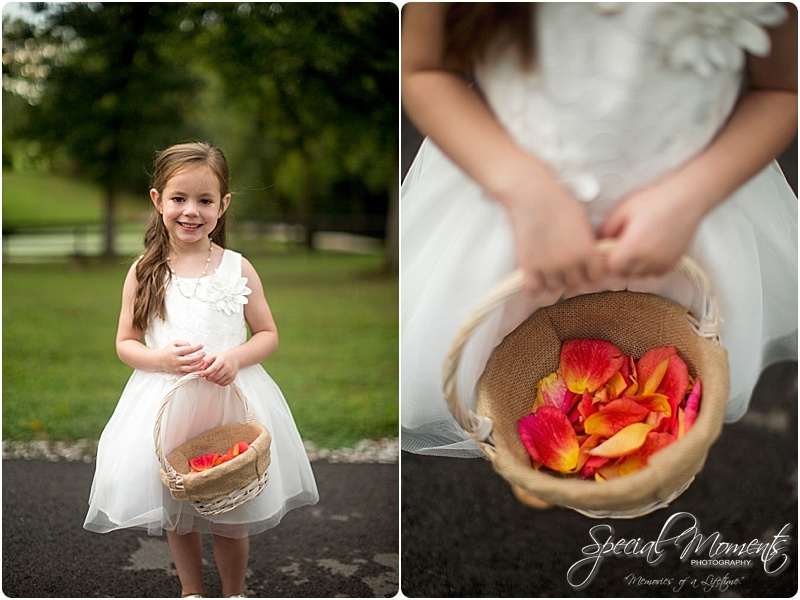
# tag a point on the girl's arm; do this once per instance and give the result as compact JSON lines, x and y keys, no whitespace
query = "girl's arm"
{"x":179,"y":357}
{"x":655,"y":225}
{"x":222,"y":367}
{"x":554,"y":241}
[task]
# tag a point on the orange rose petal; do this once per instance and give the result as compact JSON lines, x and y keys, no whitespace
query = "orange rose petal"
{"x":233,"y":452}
{"x":681,"y":424}
{"x":618,"y":384}
{"x":586,"y":406}
{"x":592,"y":464}
{"x":552,"y":391}
{"x":625,"y":441}
{"x":607,"y":472}
{"x":655,"y":402}
{"x":675,"y":385}
{"x":653,"y":381}
{"x":587,"y":443}
{"x":601,"y":396}
{"x":653,"y":443}
{"x":527,"y":425}
{"x":550,"y":439}
{"x":204,"y":462}
{"x":615,"y":416}
{"x":588,"y":364}
{"x":647,"y":364}
{"x":657,"y":419}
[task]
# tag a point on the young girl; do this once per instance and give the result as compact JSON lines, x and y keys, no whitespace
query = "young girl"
{"x":192,"y":300}
{"x":583,"y":121}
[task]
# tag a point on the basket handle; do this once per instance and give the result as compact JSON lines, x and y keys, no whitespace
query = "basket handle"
{"x":170,"y":394}
{"x":479,"y":428}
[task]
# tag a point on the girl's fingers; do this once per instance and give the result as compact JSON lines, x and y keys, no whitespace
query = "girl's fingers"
{"x":575,"y":277}
{"x":187,"y":350}
{"x":553,"y":280}
{"x":533,"y":282}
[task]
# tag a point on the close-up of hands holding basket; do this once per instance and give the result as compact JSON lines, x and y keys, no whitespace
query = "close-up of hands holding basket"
{"x":599,"y":246}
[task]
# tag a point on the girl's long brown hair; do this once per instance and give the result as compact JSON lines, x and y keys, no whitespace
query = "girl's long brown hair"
{"x":152,"y":268}
{"x":471,"y":28}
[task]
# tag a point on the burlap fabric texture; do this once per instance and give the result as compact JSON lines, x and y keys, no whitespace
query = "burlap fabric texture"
{"x":635,"y":322}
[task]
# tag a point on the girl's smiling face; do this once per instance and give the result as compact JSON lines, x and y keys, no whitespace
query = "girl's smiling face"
{"x":190,"y":205}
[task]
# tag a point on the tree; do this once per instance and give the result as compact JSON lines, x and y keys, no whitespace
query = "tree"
{"x":103,"y":88}
{"x":319,"y":83}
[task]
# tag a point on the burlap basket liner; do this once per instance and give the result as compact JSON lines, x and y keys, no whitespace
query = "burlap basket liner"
{"x":223,"y":479}
{"x":635,"y":322}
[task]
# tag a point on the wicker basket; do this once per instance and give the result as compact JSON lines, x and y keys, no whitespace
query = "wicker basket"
{"x":633,"y":321}
{"x":226,"y":486}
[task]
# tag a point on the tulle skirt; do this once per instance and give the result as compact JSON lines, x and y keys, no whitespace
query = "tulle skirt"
{"x":457,"y":244}
{"x":127,"y":490}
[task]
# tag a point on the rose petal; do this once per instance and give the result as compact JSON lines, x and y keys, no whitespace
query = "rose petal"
{"x":586,"y":406}
{"x":681,"y":424}
{"x":615,"y":416}
{"x":204,"y":462}
{"x":653,"y":381}
{"x":527,"y":425}
{"x":655,"y":402}
{"x":592,"y":464}
{"x":609,"y":471}
{"x":233,"y":452}
{"x":552,"y":391}
{"x":618,"y":384}
{"x":586,"y":443}
{"x":693,"y":404}
{"x":653,"y":443}
{"x":647,"y":364}
{"x":589,"y":364}
{"x":550,"y":439}
{"x":658,"y":420}
{"x":675,"y":384}
{"x":601,"y":396}
{"x":624,"y":442}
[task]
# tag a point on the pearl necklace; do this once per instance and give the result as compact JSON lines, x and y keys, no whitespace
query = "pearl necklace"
{"x":196,"y":283}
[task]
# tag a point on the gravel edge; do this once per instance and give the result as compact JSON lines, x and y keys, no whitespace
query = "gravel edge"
{"x":384,"y":451}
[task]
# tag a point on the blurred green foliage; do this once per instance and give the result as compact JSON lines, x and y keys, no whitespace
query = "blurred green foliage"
{"x":302,"y":97}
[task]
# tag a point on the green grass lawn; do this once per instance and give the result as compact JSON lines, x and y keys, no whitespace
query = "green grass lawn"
{"x":337,"y":363}
{"x":39,"y":199}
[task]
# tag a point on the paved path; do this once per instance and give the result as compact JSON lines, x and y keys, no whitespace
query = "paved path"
{"x":465,"y":535}
{"x":345,"y":546}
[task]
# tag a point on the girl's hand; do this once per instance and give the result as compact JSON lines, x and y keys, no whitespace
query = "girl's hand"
{"x":220,"y":368}
{"x":652,"y":227}
{"x":555,"y":245}
{"x":180,"y":357}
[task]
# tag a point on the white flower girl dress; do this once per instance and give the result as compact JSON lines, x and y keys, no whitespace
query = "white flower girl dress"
{"x":127,"y":490}
{"x":622,"y":93}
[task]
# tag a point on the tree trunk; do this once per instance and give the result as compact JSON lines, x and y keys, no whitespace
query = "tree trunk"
{"x":393,"y":227}
{"x":108,"y":223}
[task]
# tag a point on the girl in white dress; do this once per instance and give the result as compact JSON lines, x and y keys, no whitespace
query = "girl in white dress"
{"x":584,"y":121}
{"x":193,"y":300}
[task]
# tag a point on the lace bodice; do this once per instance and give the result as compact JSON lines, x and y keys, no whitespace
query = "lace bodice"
{"x":624,"y":92}
{"x":208,"y":311}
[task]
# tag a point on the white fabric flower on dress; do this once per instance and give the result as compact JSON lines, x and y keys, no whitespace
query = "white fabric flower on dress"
{"x":227,"y":292}
{"x":707,"y":36}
